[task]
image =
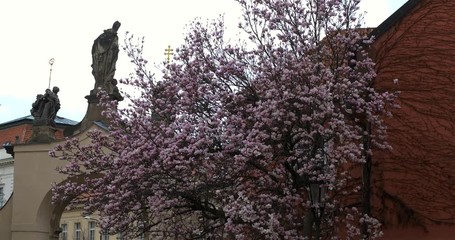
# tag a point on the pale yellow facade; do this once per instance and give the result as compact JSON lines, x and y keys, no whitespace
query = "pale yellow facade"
{"x":75,"y":226}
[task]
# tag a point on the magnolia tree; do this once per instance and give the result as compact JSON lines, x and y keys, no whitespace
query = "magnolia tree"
{"x":228,"y":143}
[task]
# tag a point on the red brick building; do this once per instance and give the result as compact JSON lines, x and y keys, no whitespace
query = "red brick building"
{"x":20,"y":130}
{"x":414,"y":193}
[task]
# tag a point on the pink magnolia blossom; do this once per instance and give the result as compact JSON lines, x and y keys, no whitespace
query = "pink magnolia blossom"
{"x":226,"y":144}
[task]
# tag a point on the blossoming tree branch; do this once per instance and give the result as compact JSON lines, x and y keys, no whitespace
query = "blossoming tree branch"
{"x":229,"y":143}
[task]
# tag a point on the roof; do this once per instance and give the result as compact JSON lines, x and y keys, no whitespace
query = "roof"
{"x":102,"y":125}
{"x":65,"y":121}
{"x":58,"y":120}
{"x":395,"y":18}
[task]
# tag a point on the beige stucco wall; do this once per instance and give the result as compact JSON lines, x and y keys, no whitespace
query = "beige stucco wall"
{"x":34,"y":174}
{"x":6,"y":213}
{"x":30,"y":215}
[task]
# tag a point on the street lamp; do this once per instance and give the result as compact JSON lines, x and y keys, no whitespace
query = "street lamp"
{"x":317,"y":192}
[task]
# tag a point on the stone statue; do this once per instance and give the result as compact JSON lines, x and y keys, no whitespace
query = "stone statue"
{"x":37,"y":106}
{"x":104,"y":57}
{"x":53,"y":105}
{"x":115,"y":92}
{"x":46,"y":106}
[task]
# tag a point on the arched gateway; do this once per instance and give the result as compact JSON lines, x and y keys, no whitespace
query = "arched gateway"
{"x":29,"y":213}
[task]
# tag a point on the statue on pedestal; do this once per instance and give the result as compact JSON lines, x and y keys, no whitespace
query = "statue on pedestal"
{"x":104,"y":57}
{"x":105,"y":51}
{"x":46,"y":106}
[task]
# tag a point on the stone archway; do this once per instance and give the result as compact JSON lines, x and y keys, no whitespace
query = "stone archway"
{"x":30,"y":215}
{"x":51,"y":214}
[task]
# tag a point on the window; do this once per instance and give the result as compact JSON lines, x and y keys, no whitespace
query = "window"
{"x":120,"y":236}
{"x":2,"y":195}
{"x":141,"y":237}
{"x":104,"y":235}
{"x":91,"y":230}
{"x":77,"y":231}
{"x":64,"y":233}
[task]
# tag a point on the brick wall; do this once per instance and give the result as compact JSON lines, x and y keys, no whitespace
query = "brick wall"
{"x":16,"y":134}
{"x":416,"y":180}
{"x":22,"y":133}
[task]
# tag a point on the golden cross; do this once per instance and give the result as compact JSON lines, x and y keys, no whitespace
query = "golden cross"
{"x":168,"y":53}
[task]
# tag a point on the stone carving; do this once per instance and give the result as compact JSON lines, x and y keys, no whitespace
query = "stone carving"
{"x":104,"y":57}
{"x":46,"y":106}
{"x":37,"y":106}
{"x":115,"y":92}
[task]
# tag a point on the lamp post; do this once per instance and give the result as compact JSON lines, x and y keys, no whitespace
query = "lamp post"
{"x":317,"y":192}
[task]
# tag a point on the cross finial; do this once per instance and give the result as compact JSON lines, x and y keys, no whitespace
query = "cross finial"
{"x":168,"y":52}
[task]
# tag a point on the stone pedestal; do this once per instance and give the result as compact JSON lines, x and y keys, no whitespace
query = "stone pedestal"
{"x":42,"y":134}
{"x":93,"y":113}
{"x":94,"y":110}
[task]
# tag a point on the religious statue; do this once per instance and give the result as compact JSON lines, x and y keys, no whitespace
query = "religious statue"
{"x":46,"y":106}
{"x":37,"y":106}
{"x":104,"y":57}
{"x":115,"y":92}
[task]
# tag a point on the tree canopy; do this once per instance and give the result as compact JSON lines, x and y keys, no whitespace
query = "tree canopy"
{"x":228,"y":142}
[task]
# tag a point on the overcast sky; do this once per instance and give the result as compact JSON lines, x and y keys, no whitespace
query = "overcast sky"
{"x":34,"y":31}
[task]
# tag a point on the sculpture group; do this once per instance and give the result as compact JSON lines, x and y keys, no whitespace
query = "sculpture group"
{"x":46,"y":106}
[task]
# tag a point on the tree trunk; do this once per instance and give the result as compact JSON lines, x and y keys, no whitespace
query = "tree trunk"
{"x":308,"y":224}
